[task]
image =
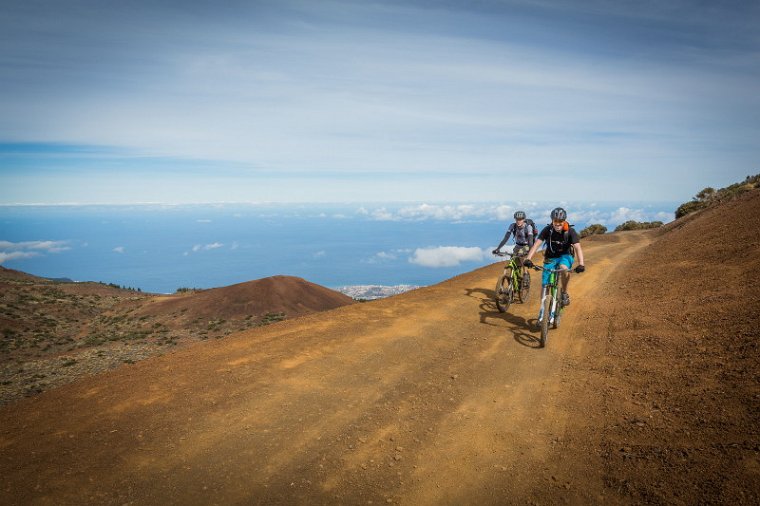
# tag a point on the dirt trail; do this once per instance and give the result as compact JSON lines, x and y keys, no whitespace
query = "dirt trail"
{"x":431,"y":397}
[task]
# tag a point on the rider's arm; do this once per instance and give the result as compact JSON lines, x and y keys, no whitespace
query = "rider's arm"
{"x":579,"y":253}
{"x":506,"y":238}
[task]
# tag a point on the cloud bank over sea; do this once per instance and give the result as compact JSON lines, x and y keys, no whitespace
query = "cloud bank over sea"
{"x":578,"y":213}
{"x":159,"y":248}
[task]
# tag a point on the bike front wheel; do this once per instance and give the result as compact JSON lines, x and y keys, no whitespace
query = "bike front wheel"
{"x":547,"y":309}
{"x":504,"y":291}
{"x":525,"y":287}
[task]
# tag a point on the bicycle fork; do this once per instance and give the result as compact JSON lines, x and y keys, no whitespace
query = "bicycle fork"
{"x":545,"y":290}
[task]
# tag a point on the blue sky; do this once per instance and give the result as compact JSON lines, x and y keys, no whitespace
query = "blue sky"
{"x":293,"y":101}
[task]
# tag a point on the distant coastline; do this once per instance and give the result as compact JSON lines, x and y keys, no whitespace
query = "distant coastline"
{"x":372,"y":292}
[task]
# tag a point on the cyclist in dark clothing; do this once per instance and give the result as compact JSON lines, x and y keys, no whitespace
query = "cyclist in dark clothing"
{"x":562,"y":246}
{"x":524,"y":239}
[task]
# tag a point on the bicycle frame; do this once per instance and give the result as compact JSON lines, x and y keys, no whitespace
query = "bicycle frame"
{"x":511,"y":283}
{"x":554,"y":306}
{"x":516,"y":267}
{"x":550,"y":289}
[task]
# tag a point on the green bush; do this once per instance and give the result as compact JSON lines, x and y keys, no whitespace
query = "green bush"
{"x":710,"y":196}
{"x":272,"y":318}
{"x":638,"y":225}
{"x":690,"y":207}
{"x":594,"y":229}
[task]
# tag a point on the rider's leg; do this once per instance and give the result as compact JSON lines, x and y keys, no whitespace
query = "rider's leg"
{"x":519,"y":252}
{"x":549,"y":264}
{"x":522,"y":252}
{"x":566,"y":263}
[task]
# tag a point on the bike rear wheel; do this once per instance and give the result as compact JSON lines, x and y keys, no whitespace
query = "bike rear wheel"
{"x":504,"y":291}
{"x":545,"y":321}
{"x":525,"y":290}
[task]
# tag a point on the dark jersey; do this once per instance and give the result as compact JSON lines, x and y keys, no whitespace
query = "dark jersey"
{"x":556,"y":243}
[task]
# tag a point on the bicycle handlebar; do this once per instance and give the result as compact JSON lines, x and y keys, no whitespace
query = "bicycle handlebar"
{"x":508,"y":254}
{"x":556,"y":271}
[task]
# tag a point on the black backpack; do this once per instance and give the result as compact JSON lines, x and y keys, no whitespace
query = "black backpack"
{"x":533,"y":226}
{"x":529,"y":222}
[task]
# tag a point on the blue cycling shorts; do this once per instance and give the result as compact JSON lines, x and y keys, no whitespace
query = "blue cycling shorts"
{"x":554,"y":263}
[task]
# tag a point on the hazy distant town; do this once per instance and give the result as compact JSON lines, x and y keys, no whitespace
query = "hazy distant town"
{"x":372,"y":292}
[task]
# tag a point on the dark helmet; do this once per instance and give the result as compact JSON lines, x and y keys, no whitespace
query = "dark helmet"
{"x":520,"y":215}
{"x":559,"y":214}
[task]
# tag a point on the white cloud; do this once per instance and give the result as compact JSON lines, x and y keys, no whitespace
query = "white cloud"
{"x":15,"y":255}
{"x":504,"y":212}
{"x":382,"y":256}
{"x":119,"y":249}
{"x":442,"y":212}
{"x":452,"y":212}
{"x":203,"y":221}
{"x":383,"y":215}
{"x":584,"y":215}
{"x":446,"y":256}
{"x":624,"y":214}
{"x":49,"y":246}
{"x":206,"y":247}
{"x":320,"y":254}
{"x":387,"y":256}
{"x":28,"y":249}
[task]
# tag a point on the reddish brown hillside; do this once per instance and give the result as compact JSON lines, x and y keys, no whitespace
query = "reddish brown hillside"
{"x":13,"y":275}
{"x":277,"y":294}
{"x":54,"y":332}
{"x":678,"y":363}
{"x":10,"y":278}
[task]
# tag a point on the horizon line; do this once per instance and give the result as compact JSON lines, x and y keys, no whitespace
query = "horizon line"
{"x":315,"y":202}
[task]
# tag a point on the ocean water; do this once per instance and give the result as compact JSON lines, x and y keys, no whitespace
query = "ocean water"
{"x":160,"y":248}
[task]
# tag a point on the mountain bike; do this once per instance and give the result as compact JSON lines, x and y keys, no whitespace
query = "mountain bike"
{"x":510,"y":284}
{"x":550,"y":311}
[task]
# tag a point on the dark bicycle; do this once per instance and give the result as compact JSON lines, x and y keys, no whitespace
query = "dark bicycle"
{"x":511,"y":284}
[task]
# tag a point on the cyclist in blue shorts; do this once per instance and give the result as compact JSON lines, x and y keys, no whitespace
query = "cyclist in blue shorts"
{"x":562,"y":245}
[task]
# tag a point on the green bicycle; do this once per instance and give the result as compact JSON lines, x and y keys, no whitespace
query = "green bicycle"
{"x":550,"y":311}
{"x":510,"y":283}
